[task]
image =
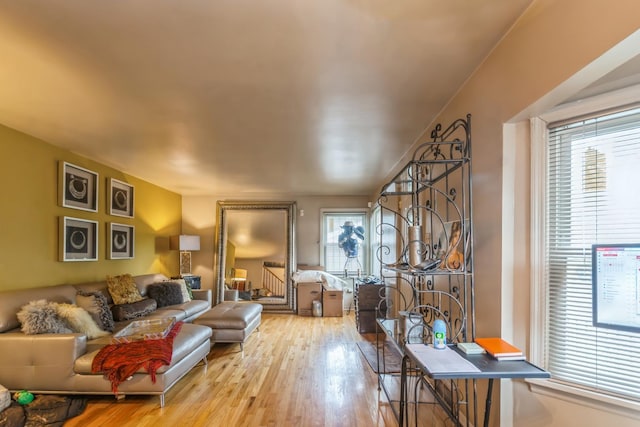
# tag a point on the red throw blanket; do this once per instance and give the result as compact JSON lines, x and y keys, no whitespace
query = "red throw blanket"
{"x":120,"y":361}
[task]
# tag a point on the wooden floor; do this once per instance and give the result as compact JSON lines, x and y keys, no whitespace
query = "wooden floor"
{"x":296,"y":371}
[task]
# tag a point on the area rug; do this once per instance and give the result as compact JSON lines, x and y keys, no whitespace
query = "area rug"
{"x":393,"y":359}
{"x":45,"y":410}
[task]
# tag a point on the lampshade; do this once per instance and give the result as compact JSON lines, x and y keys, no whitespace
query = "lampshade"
{"x":184,"y":242}
{"x":239,"y":274}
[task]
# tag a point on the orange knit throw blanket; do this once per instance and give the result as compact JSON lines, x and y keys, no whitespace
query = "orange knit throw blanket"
{"x":120,"y":361}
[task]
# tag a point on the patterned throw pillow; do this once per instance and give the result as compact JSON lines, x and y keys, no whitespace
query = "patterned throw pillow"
{"x":123,"y":289}
{"x":98,"y":307}
{"x":134,"y":310}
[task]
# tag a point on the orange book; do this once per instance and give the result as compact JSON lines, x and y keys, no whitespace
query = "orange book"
{"x":498,"y":348}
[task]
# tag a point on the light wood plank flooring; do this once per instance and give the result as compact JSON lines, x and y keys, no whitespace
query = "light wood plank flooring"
{"x":296,"y":371}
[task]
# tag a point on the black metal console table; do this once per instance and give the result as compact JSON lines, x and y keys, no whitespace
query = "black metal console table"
{"x":487,"y":368}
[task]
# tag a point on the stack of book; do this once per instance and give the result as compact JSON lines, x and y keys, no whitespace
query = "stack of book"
{"x":500,"y":349}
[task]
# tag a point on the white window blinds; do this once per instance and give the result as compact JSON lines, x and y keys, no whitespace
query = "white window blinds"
{"x":344,"y":250}
{"x":592,"y":197}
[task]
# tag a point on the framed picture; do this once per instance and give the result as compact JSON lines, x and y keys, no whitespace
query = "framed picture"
{"x":78,"y":239}
{"x":78,"y":187}
{"x":120,"y":196}
{"x":121,"y":241}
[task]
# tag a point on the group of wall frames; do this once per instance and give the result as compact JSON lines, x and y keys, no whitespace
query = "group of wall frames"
{"x":78,"y":237}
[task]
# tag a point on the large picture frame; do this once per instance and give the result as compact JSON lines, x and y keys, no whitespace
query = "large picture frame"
{"x":78,"y":187}
{"x":121,"y":241}
{"x":120,"y":195}
{"x":78,"y":239}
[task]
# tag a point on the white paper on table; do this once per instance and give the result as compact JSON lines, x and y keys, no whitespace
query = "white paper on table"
{"x":442,"y":361}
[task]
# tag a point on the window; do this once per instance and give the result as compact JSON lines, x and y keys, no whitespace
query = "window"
{"x":592,"y":169}
{"x":344,"y":250}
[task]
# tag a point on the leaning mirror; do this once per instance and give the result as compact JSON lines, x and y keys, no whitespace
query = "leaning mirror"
{"x":255,"y":252}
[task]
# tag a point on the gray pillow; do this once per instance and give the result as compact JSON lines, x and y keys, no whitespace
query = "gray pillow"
{"x":98,"y":307}
{"x":165,"y":293}
{"x":133,"y":310}
{"x":41,"y":317}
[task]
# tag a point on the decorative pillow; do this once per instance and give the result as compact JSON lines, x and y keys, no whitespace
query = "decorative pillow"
{"x":187,"y":286}
{"x":41,"y":317}
{"x":165,"y":293}
{"x":123,"y":289}
{"x":134,"y":310}
{"x":96,"y":304}
{"x":80,"y":320}
{"x":187,"y":293}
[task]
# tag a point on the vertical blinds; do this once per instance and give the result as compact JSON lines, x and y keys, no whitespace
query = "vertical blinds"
{"x":592,"y":197}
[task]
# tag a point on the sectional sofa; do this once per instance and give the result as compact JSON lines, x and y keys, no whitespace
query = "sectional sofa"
{"x":62,"y":362}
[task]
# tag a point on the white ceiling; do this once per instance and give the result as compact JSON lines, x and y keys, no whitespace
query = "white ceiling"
{"x":241,"y":97}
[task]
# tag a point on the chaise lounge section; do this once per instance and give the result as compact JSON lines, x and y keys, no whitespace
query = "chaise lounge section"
{"x":231,"y":321}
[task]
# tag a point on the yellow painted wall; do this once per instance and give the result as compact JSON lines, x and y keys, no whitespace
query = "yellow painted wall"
{"x":30,"y":213}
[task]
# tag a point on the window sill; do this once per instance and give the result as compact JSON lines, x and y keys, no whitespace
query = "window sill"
{"x":585,"y":397}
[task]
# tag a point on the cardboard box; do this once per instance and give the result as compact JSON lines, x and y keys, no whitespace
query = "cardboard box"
{"x":307,"y":292}
{"x":332,"y":303}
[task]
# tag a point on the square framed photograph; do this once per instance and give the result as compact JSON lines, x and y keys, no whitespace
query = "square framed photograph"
{"x":121,"y":241}
{"x":120,"y":195}
{"x":78,"y":239}
{"x":78,"y":187}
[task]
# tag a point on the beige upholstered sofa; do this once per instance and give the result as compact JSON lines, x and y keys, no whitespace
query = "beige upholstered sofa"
{"x":61,"y":363}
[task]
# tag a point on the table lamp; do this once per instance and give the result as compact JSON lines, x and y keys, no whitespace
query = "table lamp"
{"x":185,"y":244}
